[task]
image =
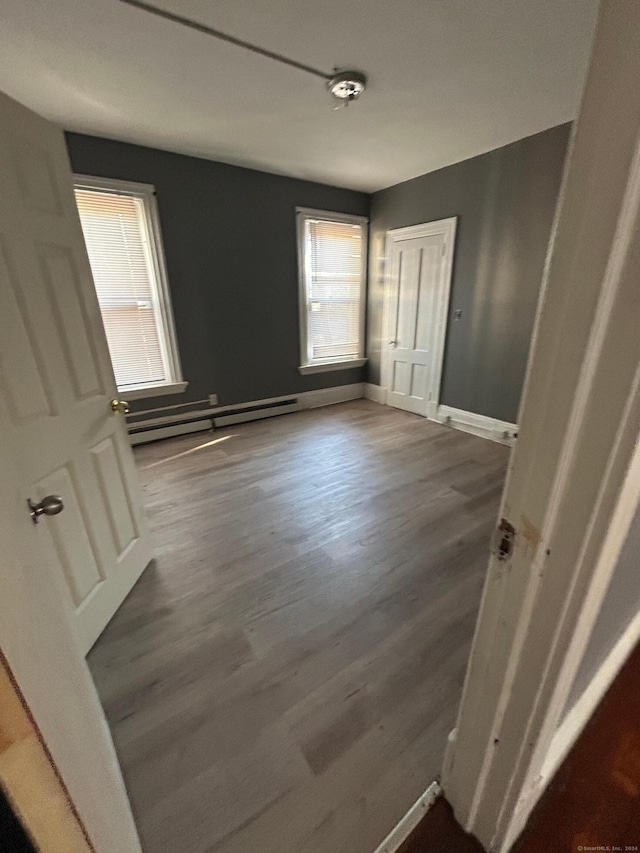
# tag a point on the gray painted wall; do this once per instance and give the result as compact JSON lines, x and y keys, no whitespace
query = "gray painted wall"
{"x":620,"y":605}
{"x":230,"y":245}
{"x":505,"y":202}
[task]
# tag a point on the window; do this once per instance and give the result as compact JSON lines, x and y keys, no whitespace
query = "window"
{"x":121,"y":231}
{"x":332,"y":251}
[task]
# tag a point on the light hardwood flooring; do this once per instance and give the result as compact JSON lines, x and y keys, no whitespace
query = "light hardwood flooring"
{"x":282,"y":679}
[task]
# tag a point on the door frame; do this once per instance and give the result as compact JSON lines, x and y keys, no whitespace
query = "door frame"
{"x":446,"y":227}
{"x":574,"y":479}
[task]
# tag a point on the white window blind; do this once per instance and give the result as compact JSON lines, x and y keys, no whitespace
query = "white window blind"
{"x":333,"y":289}
{"x":123,"y":260}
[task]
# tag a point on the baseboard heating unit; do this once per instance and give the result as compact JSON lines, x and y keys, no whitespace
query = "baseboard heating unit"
{"x":169,"y":421}
{"x":198,"y":423}
{"x":147,"y":434}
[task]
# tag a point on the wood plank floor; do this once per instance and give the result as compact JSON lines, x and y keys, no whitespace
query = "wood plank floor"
{"x":282,"y":679}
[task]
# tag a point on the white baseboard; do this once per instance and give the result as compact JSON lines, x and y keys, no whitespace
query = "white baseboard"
{"x":174,"y":424}
{"x":408,"y":823}
{"x":375,"y":392}
{"x":329,"y":396}
{"x":500,"y":431}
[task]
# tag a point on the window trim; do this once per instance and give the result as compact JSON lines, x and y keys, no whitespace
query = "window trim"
{"x":168,"y":341}
{"x":325,"y":365}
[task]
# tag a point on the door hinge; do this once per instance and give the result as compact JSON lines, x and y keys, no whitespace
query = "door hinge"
{"x":504,"y":539}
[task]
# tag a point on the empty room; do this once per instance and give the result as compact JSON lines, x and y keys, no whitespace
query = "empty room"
{"x":270,"y":275}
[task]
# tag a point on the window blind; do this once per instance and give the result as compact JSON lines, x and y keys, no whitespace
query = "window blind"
{"x":333,"y":275}
{"x":117,"y":239}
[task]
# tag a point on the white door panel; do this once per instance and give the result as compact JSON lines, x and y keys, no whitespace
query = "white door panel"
{"x":418,"y":267}
{"x":57,"y":380}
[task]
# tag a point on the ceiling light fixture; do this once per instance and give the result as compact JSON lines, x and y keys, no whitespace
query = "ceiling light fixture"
{"x":345,"y":86}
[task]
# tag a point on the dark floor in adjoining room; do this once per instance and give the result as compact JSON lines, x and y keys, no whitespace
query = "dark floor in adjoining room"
{"x":440,"y":832}
{"x":283,"y":677}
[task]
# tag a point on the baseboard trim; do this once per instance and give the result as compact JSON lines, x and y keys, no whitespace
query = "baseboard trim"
{"x":412,"y":818}
{"x":194,"y":420}
{"x":375,"y":392}
{"x":482,"y":425}
{"x":486,"y":427}
{"x":329,"y":396}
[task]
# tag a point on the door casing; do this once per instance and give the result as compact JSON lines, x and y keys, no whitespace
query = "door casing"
{"x":573,"y":484}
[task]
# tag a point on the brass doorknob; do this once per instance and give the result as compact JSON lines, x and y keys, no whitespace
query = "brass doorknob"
{"x":119,"y":406}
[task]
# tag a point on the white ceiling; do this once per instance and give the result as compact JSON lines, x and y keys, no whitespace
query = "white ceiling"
{"x":448,"y":79}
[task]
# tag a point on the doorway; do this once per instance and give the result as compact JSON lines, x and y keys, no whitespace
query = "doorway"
{"x":420,"y":260}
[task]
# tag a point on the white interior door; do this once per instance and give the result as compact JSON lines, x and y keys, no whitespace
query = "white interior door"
{"x":56,"y":381}
{"x":417,"y":300}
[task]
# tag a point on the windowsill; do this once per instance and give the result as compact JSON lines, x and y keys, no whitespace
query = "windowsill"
{"x":325,"y":366}
{"x":153,"y":390}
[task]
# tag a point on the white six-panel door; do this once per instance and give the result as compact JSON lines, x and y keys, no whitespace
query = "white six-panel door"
{"x":56,"y":381}
{"x":416,"y":309}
